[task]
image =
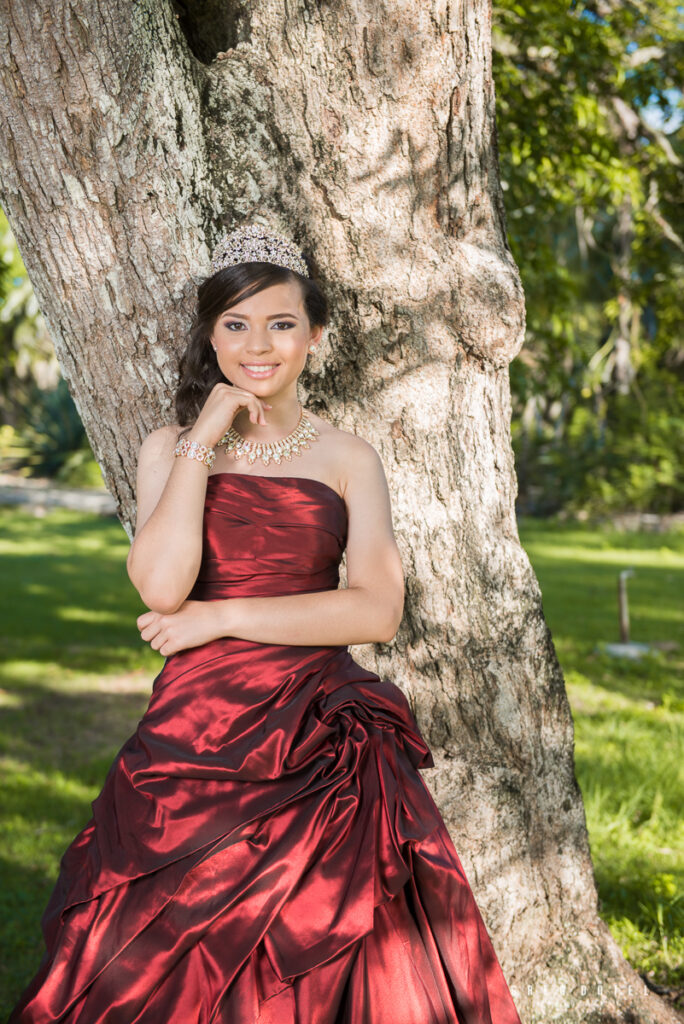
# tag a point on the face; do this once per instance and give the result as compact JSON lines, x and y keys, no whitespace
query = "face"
{"x":269,"y":330}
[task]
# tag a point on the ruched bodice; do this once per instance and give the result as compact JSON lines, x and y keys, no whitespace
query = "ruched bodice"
{"x":264,"y":847}
{"x":264,"y":536}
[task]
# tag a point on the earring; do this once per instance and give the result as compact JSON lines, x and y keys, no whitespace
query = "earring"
{"x":312,"y":348}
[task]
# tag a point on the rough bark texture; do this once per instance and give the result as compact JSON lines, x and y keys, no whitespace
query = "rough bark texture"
{"x":129,"y":133}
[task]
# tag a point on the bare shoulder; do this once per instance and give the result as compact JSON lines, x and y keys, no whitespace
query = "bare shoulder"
{"x":159,"y":440}
{"x":357,"y":463}
{"x":360,"y":465}
{"x":156,"y":450}
{"x":372,"y":554}
{"x":155,"y":462}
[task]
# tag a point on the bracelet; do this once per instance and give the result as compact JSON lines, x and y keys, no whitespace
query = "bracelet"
{"x":195,"y":450}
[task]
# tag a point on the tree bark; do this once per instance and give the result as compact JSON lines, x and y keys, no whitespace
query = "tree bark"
{"x":130,"y":132}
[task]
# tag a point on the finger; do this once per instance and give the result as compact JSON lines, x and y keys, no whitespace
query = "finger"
{"x":247,"y":402}
{"x":151,"y":627}
{"x":241,"y":391}
{"x":255,"y":410}
{"x":261,"y":407}
{"x":148,"y":618}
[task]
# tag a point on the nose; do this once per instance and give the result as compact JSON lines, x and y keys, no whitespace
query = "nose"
{"x":259,"y":343}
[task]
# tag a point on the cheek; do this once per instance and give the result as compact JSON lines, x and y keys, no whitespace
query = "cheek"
{"x":230,"y":345}
{"x":296,"y":344}
{"x":295,"y":355}
{"x":229,"y":342}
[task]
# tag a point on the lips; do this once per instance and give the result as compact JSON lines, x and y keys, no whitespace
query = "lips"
{"x":264,"y":369}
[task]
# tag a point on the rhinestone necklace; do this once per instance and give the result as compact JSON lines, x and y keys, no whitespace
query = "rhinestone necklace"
{"x":286,"y":447}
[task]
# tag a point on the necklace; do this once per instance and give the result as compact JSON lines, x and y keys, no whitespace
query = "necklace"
{"x":286,"y":447}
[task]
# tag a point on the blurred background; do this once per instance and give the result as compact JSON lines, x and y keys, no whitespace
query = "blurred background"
{"x":589,"y":118}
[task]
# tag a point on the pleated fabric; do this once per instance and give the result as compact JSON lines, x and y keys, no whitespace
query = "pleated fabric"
{"x":264,"y":849}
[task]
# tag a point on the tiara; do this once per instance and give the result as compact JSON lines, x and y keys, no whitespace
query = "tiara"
{"x":253,"y":243}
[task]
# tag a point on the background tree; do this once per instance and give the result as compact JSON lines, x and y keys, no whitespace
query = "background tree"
{"x":591,"y":136}
{"x":41,"y":433}
{"x":366,"y":130}
{"x":26,"y":350}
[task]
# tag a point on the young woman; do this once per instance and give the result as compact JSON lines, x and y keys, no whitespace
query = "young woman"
{"x":264,"y":849}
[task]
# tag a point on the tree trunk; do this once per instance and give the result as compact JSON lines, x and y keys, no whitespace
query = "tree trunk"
{"x":367,"y":130}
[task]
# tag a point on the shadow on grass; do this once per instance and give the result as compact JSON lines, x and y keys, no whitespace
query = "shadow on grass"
{"x":72,"y":733}
{"x":627,"y":722}
{"x":578,"y":568}
{"x":24,"y":894}
{"x":68,"y":615}
{"x":66,"y":586}
{"x":58,"y":748}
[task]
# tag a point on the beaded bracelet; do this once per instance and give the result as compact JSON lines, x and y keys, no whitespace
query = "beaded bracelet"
{"x":195,"y":450}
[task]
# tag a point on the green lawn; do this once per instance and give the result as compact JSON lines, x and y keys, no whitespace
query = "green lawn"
{"x":628,"y":723}
{"x":75,"y":678}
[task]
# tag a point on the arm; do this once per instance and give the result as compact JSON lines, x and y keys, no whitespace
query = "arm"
{"x":166,"y":552}
{"x":347,"y":616}
{"x":369,"y":610}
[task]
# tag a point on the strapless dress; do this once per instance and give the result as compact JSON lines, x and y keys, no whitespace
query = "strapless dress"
{"x":264,"y":848}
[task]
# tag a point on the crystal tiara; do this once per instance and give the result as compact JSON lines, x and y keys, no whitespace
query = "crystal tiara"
{"x":253,"y":243}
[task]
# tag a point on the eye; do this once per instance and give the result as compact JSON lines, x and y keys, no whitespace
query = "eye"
{"x":284,"y":323}
{"x":232,"y":323}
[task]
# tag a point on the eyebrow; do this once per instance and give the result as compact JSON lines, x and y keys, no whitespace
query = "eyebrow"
{"x":243,"y":316}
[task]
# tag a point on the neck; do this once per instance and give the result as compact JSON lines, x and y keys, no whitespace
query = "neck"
{"x":280,"y":420}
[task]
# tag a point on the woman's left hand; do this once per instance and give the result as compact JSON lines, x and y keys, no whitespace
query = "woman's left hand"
{"x":195,"y":623}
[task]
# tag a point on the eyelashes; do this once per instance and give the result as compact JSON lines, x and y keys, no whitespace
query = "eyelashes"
{"x":236,"y":323}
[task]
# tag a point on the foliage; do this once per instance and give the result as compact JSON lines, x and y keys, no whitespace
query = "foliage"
{"x":27,"y":358}
{"x":627,"y":450}
{"x":41,"y":432}
{"x":589,"y":120}
{"x":51,"y":441}
{"x":590,"y":141}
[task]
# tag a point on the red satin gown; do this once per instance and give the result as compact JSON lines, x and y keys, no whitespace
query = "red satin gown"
{"x":264,"y":849}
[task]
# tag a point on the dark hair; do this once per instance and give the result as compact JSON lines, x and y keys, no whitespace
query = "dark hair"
{"x":198,"y":368}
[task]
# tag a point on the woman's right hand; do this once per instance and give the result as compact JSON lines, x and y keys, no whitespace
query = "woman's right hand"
{"x":220,"y":409}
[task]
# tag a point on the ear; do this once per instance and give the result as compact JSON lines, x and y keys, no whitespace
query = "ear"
{"x":316,"y":334}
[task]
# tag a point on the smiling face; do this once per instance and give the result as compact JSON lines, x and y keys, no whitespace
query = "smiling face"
{"x":262,"y":342}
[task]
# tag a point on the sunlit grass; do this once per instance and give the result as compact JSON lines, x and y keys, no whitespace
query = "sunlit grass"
{"x":76,"y":678}
{"x":628,"y":719}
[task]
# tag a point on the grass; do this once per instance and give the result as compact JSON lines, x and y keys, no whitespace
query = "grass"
{"x":76,"y":677}
{"x":628,"y":719}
